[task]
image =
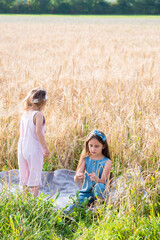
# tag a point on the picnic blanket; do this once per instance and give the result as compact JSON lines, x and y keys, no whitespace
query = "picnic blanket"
{"x":59,"y":181}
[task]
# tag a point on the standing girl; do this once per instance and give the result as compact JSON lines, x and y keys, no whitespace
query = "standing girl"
{"x":94,"y":167}
{"x":32,"y":146}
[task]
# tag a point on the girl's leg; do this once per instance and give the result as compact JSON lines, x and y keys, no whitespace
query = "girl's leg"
{"x":23,"y":170}
{"x":26,"y":189}
{"x":35,"y":191}
{"x":35,"y":163}
{"x":100,"y":192}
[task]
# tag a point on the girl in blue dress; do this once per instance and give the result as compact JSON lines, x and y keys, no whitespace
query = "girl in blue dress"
{"x":94,"y":168}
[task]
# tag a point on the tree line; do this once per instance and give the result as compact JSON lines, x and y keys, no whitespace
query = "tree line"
{"x":151,"y":7}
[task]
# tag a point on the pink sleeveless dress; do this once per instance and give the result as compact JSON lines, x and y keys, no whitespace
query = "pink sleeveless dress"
{"x":30,"y":152}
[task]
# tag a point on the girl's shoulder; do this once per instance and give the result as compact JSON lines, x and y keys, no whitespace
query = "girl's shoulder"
{"x":38,"y":114}
{"x":106,"y":160}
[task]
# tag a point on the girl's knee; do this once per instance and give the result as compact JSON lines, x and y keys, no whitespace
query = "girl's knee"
{"x":99,"y":190}
{"x":100,"y":186}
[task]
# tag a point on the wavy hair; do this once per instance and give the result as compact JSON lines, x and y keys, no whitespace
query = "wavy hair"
{"x":36,"y":97}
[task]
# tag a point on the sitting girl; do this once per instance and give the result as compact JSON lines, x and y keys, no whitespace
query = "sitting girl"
{"x":94,"y":168}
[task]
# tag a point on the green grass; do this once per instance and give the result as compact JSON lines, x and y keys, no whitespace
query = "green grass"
{"x":118,"y":226}
{"x":25,"y":217}
{"x":135,"y":214}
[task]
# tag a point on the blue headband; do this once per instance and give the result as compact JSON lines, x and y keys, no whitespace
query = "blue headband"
{"x":100,"y":135}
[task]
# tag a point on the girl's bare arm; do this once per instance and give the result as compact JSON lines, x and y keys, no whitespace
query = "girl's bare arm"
{"x":40,"y":136}
{"x":79,"y":176}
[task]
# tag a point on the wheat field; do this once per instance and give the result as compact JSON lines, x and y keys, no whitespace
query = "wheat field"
{"x":99,"y":73}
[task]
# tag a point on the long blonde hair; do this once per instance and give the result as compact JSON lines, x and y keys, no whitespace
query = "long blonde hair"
{"x":36,"y":97}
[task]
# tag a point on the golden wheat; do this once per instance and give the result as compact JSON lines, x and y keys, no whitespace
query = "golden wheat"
{"x":104,"y":76}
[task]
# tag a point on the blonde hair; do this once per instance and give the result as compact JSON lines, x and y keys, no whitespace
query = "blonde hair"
{"x":36,"y":97}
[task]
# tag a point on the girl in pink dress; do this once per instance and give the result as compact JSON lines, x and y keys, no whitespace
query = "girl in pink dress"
{"x":32,"y":145}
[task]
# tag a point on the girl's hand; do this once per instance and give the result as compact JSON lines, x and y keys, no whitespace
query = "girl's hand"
{"x":80,"y":176}
{"x":46,"y":152}
{"x":93,"y":177}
